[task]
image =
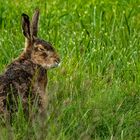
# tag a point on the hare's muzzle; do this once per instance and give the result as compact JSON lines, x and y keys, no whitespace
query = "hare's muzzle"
{"x":57,"y":62}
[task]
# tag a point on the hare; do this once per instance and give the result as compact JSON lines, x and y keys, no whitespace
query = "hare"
{"x":25,"y":79}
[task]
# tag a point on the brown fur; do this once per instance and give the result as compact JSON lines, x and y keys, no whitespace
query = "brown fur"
{"x":25,"y":79}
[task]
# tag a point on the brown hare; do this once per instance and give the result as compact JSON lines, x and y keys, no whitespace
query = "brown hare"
{"x":25,"y":79}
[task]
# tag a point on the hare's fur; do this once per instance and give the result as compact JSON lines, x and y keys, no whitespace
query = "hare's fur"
{"x":25,"y":79}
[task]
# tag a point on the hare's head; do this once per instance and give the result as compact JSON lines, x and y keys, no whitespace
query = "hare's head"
{"x":39,"y":51}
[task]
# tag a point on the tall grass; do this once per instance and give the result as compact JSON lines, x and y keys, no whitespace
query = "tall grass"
{"x":95,"y":93}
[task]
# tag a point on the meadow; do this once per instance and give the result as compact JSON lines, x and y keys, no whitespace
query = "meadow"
{"x":95,"y":93}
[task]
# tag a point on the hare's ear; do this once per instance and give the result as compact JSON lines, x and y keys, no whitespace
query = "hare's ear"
{"x":34,"y":24}
{"x":26,"y":26}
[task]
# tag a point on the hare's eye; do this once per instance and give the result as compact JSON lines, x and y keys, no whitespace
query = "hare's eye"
{"x":41,"y":49}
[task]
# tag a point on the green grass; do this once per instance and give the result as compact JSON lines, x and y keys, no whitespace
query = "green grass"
{"x":95,"y":93}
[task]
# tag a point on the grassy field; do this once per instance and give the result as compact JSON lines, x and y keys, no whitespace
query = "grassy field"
{"x":95,"y":93}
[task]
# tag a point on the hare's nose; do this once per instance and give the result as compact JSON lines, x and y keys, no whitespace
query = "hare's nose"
{"x":57,"y":60}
